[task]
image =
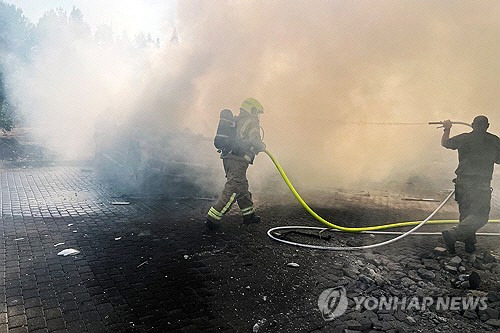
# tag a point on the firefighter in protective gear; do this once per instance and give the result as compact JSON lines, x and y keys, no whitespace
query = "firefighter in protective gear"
{"x":478,"y":151}
{"x":248,"y":143}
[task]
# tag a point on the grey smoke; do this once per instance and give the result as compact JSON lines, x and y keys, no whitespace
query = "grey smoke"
{"x":314,"y":65}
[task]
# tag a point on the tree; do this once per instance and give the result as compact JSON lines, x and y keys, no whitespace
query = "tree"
{"x":16,"y":43}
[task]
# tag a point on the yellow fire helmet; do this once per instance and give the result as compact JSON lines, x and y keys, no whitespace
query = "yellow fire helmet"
{"x":252,"y":106}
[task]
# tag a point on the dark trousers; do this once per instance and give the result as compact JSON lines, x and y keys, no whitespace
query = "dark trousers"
{"x":235,"y":190}
{"x":474,"y":202}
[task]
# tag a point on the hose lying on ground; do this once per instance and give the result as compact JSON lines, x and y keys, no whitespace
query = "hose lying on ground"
{"x":417,"y":224}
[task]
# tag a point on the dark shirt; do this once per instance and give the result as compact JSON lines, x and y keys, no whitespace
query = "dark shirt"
{"x":477,"y":153}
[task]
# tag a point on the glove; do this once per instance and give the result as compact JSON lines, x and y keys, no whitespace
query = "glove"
{"x":260,"y":148}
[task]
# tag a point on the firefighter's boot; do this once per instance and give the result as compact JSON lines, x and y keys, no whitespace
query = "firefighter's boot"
{"x":210,"y":225}
{"x":449,"y":241}
{"x":251,"y":219}
{"x":470,"y":244}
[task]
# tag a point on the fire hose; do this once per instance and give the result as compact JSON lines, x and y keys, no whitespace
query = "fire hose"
{"x":274,"y":233}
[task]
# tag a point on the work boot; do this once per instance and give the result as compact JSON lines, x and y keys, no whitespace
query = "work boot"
{"x":251,"y":219}
{"x":211,"y":225}
{"x":474,"y":280}
{"x":470,"y":245}
{"x":449,"y":241}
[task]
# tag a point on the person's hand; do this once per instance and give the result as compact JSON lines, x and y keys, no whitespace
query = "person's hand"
{"x":447,"y":124}
{"x":261,"y":148}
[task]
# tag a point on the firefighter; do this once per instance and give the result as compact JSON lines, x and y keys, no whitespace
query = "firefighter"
{"x":248,"y":143}
{"x":478,"y":151}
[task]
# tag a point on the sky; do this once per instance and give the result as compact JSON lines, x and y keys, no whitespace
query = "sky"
{"x":132,"y":16}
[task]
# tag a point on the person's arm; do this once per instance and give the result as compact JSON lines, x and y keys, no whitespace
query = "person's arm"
{"x":255,"y":139}
{"x":446,"y":133}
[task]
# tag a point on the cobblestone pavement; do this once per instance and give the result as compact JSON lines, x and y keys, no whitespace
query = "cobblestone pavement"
{"x":150,"y":267}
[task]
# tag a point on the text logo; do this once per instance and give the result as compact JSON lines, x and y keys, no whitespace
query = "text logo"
{"x":332,"y":303}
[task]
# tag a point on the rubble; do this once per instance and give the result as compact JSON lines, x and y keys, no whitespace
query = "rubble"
{"x":493,"y":322}
{"x":451,"y":268}
{"x":488,"y":257}
{"x":489,"y":313}
{"x":440,"y":250}
{"x":455,"y":261}
{"x":493,"y":297}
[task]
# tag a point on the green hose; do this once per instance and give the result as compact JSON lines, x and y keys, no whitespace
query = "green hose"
{"x":347,"y":229}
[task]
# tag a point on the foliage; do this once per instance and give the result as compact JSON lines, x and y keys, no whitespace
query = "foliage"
{"x":15,"y":46}
{"x":21,"y":40}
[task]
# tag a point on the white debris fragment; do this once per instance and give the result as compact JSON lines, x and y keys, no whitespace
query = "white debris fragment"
{"x":58,"y":244}
{"x":439,"y":250}
{"x":293,"y":264}
{"x":142,"y":264}
{"x":69,"y":225}
{"x":258,"y":325}
{"x":68,"y":252}
{"x":120,"y":203}
{"x":18,"y":239}
{"x":186,"y":257}
{"x":117,"y":238}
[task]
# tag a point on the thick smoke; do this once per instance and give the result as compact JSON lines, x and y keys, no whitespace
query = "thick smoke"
{"x":74,"y":78}
{"x":320,"y":68}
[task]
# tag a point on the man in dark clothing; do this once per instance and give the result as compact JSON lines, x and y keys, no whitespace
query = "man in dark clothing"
{"x":248,"y":144}
{"x":478,"y":151}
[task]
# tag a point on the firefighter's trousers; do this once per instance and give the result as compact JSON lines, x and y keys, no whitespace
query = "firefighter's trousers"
{"x":235,"y":190}
{"x":473,"y":200}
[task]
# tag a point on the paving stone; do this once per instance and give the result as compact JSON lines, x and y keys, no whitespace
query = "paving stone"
{"x":36,"y":323}
{"x":15,"y":310}
{"x":77,"y":327}
{"x":34,"y":312}
{"x":52,"y":313}
{"x":32,"y":302}
{"x":104,"y":288}
{"x":17,"y":321}
{"x":55,"y":324}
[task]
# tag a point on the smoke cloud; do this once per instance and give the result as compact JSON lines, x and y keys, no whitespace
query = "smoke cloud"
{"x":320,"y":68}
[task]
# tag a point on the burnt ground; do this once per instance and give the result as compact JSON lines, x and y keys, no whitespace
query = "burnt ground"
{"x":149,"y":266}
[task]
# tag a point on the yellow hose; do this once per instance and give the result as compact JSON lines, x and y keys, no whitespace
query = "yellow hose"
{"x":347,"y":229}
